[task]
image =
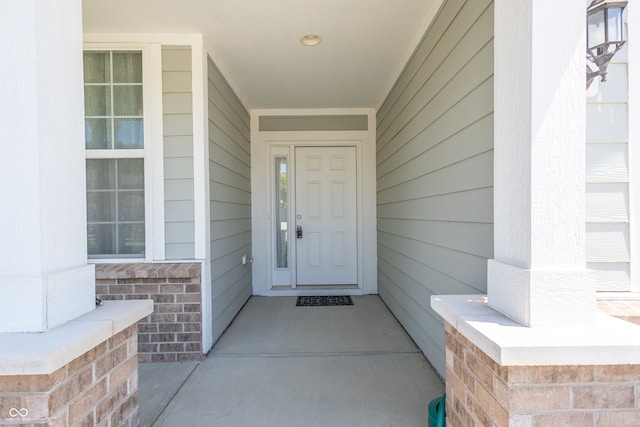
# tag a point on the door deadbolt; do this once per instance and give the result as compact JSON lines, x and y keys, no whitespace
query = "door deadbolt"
{"x":299,"y":232}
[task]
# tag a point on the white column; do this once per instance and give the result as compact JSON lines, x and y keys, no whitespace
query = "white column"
{"x":44,"y":277}
{"x":538,"y":276}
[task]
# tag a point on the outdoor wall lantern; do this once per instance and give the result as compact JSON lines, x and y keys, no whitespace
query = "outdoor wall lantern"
{"x":605,"y":35}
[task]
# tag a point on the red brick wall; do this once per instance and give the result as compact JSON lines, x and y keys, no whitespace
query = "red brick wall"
{"x":480,"y":392}
{"x":99,"y":388}
{"x":173,"y":332}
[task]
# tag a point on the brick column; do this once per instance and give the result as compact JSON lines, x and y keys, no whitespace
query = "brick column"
{"x":100,"y":387}
{"x":482,"y":392}
{"x":503,"y":374}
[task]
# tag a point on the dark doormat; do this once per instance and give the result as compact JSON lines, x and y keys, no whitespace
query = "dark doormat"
{"x":316,"y":301}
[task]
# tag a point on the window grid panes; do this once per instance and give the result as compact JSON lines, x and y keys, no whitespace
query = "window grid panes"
{"x":113,"y":100}
{"x":115,"y":207}
{"x":113,"y":90}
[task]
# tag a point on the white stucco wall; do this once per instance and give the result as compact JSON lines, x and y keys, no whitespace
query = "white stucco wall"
{"x":539,"y":276}
{"x":44,"y":277}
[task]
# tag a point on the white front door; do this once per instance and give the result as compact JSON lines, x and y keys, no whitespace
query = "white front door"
{"x":325,"y":216}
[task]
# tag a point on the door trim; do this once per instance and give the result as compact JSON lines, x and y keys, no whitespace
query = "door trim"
{"x":277,"y":280}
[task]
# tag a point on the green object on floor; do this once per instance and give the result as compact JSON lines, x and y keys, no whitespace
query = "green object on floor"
{"x":436,"y":412}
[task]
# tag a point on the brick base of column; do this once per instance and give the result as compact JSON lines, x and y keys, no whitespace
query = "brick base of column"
{"x":99,"y":388}
{"x":483,"y":393}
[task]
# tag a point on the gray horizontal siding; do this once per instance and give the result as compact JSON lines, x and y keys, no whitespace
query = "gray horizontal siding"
{"x":435,"y":172}
{"x":178,"y":153}
{"x":230,"y":200}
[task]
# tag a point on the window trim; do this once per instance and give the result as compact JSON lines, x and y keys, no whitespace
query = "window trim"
{"x":152,"y":153}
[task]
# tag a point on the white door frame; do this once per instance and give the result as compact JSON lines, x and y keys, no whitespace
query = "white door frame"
{"x":261,"y":195}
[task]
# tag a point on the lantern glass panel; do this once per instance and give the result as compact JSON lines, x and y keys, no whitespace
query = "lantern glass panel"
{"x":614,"y":24}
{"x":595,"y":29}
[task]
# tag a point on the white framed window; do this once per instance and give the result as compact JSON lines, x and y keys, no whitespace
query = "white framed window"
{"x":119,"y":162}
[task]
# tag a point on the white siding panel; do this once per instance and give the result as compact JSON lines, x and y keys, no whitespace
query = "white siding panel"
{"x":607,"y":163}
{"x":443,"y":89}
{"x":176,"y":58}
{"x":476,"y":172}
{"x":222,"y":121}
{"x":464,"y":206}
{"x":225,"y":193}
{"x":611,"y":277}
{"x":178,"y":124}
{"x":616,"y":88}
{"x":229,"y":303}
{"x":436,"y":269}
{"x":218,"y":139}
{"x":231,"y":227}
{"x":414,"y":317}
{"x":466,"y":117}
{"x":230,"y":200}
{"x":179,"y":232}
{"x":471,"y":238}
{"x":607,"y":123}
{"x":230,"y":99}
{"x":221,"y":211}
{"x":607,"y":243}
{"x":222,"y":174}
{"x":179,"y":211}
{"x":178,"y":189}
{"x":177,"y":81}
{"x":441,"y":39}
{"x":177,"y":251}
{"x":232,"y":243}
{"x":608,"y":195}
{"x":431,"y":152}
{"x":177,"y":103}
{"x":227,"y":283}
{"x":230,"y":160}
{"x":178,"y":152}
{"x":216,"y":99}
{"x":416,"y":298}
{"x":465,"y":101}
{"x":435,"y":172}
{"x":607,"y":203}
{"x":178,"y":146}
{"x":622,"y":55}
{"x":178,"y":168}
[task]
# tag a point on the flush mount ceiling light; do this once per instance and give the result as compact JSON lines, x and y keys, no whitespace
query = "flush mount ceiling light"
{"x":310,"y":39}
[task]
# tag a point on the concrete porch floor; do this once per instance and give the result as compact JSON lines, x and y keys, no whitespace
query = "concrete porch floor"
{"x":282,"y":365}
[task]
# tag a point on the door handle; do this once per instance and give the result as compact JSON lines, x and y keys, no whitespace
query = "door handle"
{"x":299,"y":232}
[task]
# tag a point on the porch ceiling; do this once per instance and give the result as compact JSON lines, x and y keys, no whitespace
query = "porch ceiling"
{"x":366,"y":43}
